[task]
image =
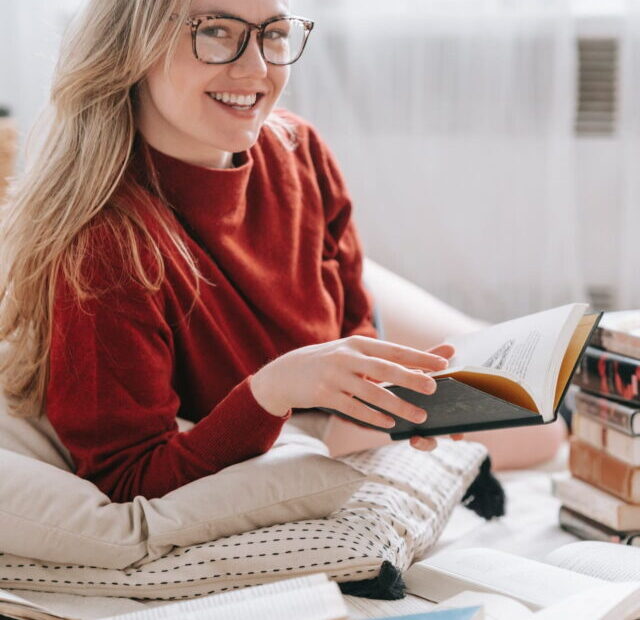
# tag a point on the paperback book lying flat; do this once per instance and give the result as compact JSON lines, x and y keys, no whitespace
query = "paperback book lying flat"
{"x":510,"y":374}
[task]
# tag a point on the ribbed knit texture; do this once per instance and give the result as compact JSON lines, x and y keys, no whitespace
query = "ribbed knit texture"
{"x":285,"y":265}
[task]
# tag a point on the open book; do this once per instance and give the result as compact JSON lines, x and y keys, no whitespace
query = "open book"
{"x":614,"y":601}
{"x":312,"y":597}
{"x":510,"y":374}
{"x":575,"y":579}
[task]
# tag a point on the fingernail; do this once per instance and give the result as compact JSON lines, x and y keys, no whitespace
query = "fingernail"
{"x":444,"y":362}
{"x":420,"y":416}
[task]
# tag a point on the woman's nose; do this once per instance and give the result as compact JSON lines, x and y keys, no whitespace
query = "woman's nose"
{"x":251,"y":63}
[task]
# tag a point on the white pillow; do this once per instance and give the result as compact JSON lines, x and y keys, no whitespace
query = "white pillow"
{"x":48,"y":513}
{"x":396,"y":515}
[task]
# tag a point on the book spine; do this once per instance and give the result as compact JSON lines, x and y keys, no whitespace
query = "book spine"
{"x":597,"y":337}
{"x":610,"y":375}
{"x":588,"y":529}
{"x":616,"y":341}
{"x":596,"y":504}
{"x":617,"y":444}
{"x":609,"y":412}
{"x":604,"y":471}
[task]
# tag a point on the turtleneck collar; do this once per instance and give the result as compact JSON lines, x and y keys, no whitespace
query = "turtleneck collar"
{"x":198,"y":193}
{"x":189,"y":187}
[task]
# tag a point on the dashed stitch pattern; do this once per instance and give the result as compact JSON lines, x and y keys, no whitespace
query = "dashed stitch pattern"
{"x":396,"y":515}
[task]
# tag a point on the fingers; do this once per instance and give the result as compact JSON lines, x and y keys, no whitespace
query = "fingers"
{"x":443,"y":350}
{"x":404,"y":356}
{"x":383,"y":398}
{"x":429,"y":443}
{"x":360,"y":411}
{"x":423,"y":443}
{"x":376,"y":369}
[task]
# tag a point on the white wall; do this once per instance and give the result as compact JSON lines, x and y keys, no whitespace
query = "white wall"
{"x":30,"y":32}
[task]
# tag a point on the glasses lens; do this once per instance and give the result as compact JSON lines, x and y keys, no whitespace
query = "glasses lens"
{"x":219,"y":39}
{"x":283,"y":41}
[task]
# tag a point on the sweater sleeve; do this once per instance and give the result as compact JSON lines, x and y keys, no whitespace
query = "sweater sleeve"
{"x":111,"y":399}
{"x":342,"y":241}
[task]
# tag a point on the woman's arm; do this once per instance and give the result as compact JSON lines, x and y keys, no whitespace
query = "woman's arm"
{"x":412,"y":317}
{"x":112,"y":401}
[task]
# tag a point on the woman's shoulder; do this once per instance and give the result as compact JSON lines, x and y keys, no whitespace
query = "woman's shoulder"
{"x":289,"y":136}
{"x":110,"y":260}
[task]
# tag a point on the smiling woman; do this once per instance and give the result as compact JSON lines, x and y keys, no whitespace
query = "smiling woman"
{"x":179,"y":248}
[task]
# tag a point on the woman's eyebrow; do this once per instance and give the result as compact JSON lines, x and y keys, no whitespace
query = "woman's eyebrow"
{"x":220,"y":13}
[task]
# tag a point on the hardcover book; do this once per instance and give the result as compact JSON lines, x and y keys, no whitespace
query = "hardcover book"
{"x":604,"y":471}
{"x":619,"y":445}
{"x":595,"y":503}
{"x":619,"y":332}
{"x":510,"y":374}
{"x":610,"y":375}
{"x":588,"y":529}
{"x":614,"y":414}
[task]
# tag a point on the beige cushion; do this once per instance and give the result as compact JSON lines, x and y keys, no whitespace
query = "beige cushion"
{"x":48,"y":513}
{"x":395,"y":516}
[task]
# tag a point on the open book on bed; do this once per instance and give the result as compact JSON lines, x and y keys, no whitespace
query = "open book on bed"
{"x":510,"y":374}
{"x":311,"y":597}
{"x":585,"y":580}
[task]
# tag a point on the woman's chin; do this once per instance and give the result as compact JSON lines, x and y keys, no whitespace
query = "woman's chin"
{"x":237,"y":144}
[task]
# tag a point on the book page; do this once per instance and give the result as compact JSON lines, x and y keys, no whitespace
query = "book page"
{"x":321,"y":602}
{"x":312,"y":597}
{"x":360,"y":608}
{"x":604,"y":560}
{"x":496,"y":606}
{"x":613,"y":601}
{"x":533,"y":583}
{"x":528,"y":350}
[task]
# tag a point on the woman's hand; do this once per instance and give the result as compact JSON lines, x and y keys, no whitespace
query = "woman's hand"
{"x":332,"y":373}
{"x":430,"y":443}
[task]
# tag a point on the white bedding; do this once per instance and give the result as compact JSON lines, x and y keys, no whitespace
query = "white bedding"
{"x":530,"y":528}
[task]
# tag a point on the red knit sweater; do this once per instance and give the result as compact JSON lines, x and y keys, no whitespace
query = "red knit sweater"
{"x":284,"y":263}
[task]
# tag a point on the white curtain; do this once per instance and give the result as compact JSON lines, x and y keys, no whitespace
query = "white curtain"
{"x":30,"y":33}
{"x":453,"y":123}
{"x":628,"y":289}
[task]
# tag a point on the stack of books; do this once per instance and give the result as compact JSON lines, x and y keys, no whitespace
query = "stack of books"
{"x":601,"y":498}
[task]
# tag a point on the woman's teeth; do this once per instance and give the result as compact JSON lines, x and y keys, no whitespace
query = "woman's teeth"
{"x":237,"y":102}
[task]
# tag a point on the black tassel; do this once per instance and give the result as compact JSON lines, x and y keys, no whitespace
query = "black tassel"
{"x":387,"y":585}
{"x":485,"y":496}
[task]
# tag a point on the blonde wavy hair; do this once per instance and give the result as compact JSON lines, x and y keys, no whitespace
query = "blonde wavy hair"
{"x":71,"y":181}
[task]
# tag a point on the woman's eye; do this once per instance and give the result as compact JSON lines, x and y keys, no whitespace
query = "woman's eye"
{"x":274,"y":35}
{"x":215,"y":32}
